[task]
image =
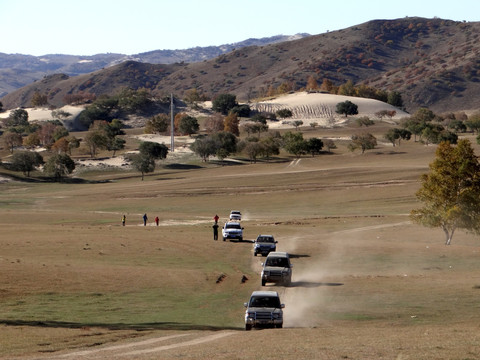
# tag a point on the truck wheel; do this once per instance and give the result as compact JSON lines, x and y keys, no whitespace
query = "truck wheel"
{"x":279,"y":326}
{"x":263,"y":282}
{"x":254,"y":254}
{"x":248,"y":327}
{"x":224,"y":239}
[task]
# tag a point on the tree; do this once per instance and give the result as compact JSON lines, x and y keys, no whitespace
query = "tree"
{"x":60,"y":114}
{"x":297,"y":123}
{"x":284,"y":113}
{"x":329,"y":144}
{"x":271,"y":146}
{"x":59,"y":165}
{"x":395,"y":134}
{"x":116,"y":144}
{"x":253,"y":149}
{"x":61,"y":145}
{"x":11,"y":140}
{"x":312,"y":83}
{"x":364,"y":120}
{"x":242,"y":110}
{"x":26,"y":161}
{"x":143,"y":163}
{"x":73,"y":143}
{"x":188,"y":125}
{"x":225,"y":140}
{"x":96,"y":139}
{"x":18,"y":117}
{"x":214,"y":123}
{"x":294,"y":143}
{"x":223,"y":103}
{"x":39,"y":99}
{"x":473,"y":122}
{"x":347,"y":108}
{"x":395,"y":99}
{"x":364,"y":141}
{"x":153,"y":150}
{"x":204,"y":147}
{"x":451,"y":191}
{"x":31,"y":141}
{"x":231,"y":124}
{"x":314,"y":146}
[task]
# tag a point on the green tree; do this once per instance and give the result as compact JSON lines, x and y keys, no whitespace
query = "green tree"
{"x":364,"y":141}
{"x":284,"y":113}
{"x":241,"y":110}
{"x":473,"y":122}
{"x":225,"y":140}
{"x":18,"y":117}
{"x":314,"y":146}
{"x":259,"y":118}
{"x":223,"y":103}
{"x":59,"y":165}
{"x":204,"y":146}
{"x":450,"y":192}
{"x":188,"y":125}
{"x":153,"y":150}
{"x":294,"y":143}
{"x":347,"y":108}
{"x":297,"y":124}
{"x":116,"y":144}
{"x":395,"y":99}
{"x":96,"y":139}
{"x":26,"y":161}
{"x":254,"y":149}
{"x":143,"y":163}
{"x":364,"y":120}
{"x":271,"y":146}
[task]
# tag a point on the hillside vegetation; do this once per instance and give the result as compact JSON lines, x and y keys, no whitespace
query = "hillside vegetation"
{"x":432,"y":63}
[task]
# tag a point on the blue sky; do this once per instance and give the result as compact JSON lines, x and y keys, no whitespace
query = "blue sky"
{"x":87,"y":27}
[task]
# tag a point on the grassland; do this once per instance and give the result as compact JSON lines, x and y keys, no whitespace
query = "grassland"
{"x":367,"y":284}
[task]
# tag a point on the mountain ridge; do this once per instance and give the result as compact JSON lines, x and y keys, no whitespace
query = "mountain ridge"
{"x":17,"y":70}
{"x":431,"y":62}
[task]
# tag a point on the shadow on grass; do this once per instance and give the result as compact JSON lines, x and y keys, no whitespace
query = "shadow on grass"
{"x":312,"y":284}
{"x":182,"y":167}
{"x":240,"y":241}
{"x":298,"y":256}
{"x":121,"y":326}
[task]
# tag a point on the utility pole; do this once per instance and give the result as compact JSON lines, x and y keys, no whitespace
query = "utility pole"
{"x":172,"y":125}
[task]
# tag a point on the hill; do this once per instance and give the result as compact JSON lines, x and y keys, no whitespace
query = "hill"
{"x":431,"y":62}
{"x":17,"y":70}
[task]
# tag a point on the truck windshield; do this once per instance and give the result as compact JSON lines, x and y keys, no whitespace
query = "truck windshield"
{"x":277,"y":262}
{"x":265,"y":301}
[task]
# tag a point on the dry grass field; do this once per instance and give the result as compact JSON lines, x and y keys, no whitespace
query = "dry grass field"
{"x":367,"y":284}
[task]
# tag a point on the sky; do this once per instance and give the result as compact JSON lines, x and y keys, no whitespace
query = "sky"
{"x":88,"y":27}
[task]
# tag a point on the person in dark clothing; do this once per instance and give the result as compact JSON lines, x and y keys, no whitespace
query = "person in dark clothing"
{"x":145,"y":218}
{"x":215,"y":231}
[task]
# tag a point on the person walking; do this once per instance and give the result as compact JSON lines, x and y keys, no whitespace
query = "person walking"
{"x":156,"y":220}
{"x":145,"y":218}
{"x":215,"y":231}
{"x":124,"y":218}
